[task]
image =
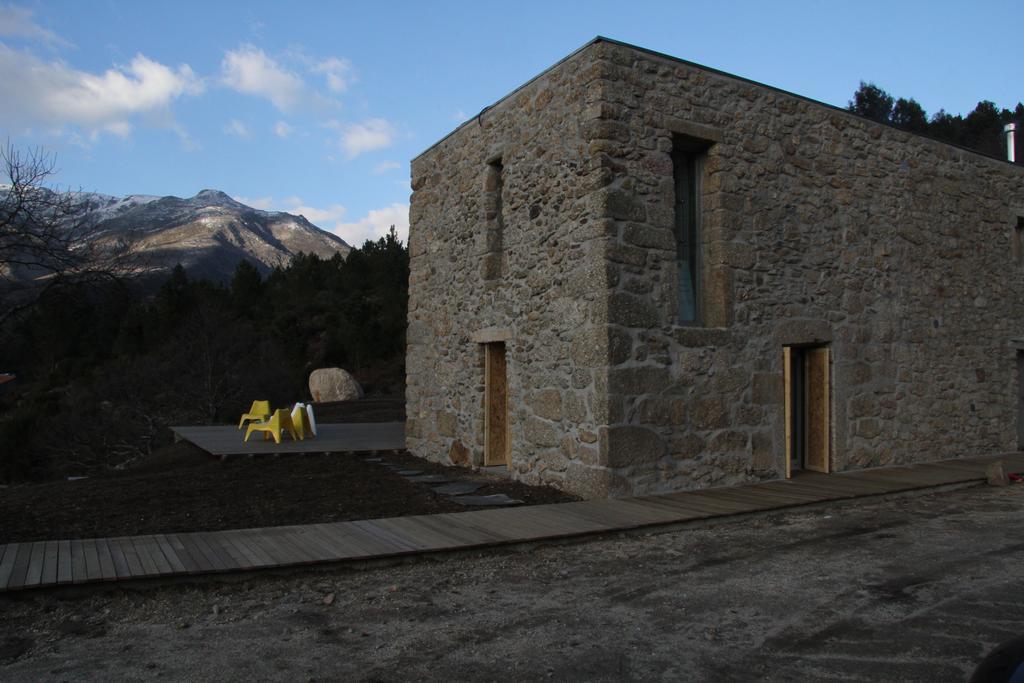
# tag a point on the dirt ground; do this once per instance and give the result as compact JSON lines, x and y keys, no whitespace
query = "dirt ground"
{"x":185,"y":489}
{"x":916,"y":588}
{"x":182,"y":488}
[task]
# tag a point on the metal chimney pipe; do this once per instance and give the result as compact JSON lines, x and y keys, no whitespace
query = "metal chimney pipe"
{"x":1010,"y":130}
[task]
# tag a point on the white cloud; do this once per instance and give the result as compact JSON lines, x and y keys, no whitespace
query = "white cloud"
{"x":55,"y":95}
{"x":367,"y":136}
{"x":459,"y":116}
{"x":385,"y":166}
{"x":375,"y":225}
{"x":337,"y":72}
{"x":16,"y":22}
{"x":262,"y":203}
{"x":282,"y":129}
{"x":319,"y":217}
{"x":237,"y":128}
{"x":250,"y":71}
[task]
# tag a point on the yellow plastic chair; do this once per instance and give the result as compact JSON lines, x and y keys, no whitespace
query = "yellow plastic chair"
{"x":280,"y":420}
{"x":300,"y":420}
{"x":259,"y":412}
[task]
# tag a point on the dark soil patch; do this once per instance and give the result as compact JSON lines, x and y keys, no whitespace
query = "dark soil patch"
{"x":182,"y":488}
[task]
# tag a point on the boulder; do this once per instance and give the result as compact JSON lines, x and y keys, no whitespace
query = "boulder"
{"x":333,"y":384}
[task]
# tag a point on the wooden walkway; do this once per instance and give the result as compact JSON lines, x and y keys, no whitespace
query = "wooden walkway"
{"x":331,"y":438}
{"x":56,"y":563}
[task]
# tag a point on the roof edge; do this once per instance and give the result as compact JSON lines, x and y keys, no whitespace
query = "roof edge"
{"x":719,"y":72}
{"x":543,"y":73}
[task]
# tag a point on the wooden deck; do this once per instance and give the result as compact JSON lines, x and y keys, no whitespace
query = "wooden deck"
{"x":94,"y":560}
{"x":331,"y":438}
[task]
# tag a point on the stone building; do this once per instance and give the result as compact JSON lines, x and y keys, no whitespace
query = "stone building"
{"x":635,"y":274}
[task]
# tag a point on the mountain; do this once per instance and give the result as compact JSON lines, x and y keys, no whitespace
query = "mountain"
{"x":208,"y":234}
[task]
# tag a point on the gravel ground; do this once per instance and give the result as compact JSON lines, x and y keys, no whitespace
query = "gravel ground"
{"x":911,"y":588}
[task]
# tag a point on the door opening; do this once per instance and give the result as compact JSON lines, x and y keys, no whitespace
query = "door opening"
{"x":1020,"y":400}
{"x":807,"y":408}
{"x":496,"y":441}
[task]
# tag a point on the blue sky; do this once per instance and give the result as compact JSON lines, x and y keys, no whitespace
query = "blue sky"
{"x":317,"y":107}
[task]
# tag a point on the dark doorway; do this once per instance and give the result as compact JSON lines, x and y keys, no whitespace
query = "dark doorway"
{"x":807,"y":408}
{"x":496,"y":439}
{"x":1020,"y":400}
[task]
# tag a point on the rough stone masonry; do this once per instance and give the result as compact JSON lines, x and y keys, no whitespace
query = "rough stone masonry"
{"x":549,"y":222}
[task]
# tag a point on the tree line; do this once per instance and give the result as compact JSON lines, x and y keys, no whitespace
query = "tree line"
{"x":104,"y":368}
{"x":980,"y":130}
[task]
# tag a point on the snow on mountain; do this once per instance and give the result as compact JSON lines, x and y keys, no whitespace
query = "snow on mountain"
{"x":208,"y":233}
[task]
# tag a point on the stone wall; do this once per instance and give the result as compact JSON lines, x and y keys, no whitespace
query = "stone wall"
{"x":538,"y":286}
{"x":817,"y":226}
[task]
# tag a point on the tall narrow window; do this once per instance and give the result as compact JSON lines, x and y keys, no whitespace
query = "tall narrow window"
{"x":494,"y":220}
{"x":687,"y":159}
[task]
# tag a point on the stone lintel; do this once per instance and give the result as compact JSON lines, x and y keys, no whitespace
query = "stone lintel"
{"x":803,"y":331}
{"x":693,"y":130}
{"x":488,"y":335}
{"x":695,"y":336}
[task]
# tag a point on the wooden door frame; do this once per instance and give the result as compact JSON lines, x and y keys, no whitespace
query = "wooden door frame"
{"x":816,"y":361}
{"x":492,"y":351}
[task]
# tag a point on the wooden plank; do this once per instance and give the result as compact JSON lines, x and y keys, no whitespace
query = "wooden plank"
{"x":230,"y":557}
{"x":788,"y":489}
{"x":107,"y":570}
{"x":400,"y":530}
{"x":702,"y":500}
{"x":227,"y":544}
{"x":787,"y":382}
{"x":670,"y":507}
{"x":131,"y":556}
{"x":64,"y":571}
{"x":245,"y":557}
{"x":496,"y":422}
{"x":439,"y":535}
{"x":188,"y":562}
{"x":841,"y":482}
{"x":144,"y":552}
{"x":79,"y":570}
{"x":436,"y":539}
{"x":379,"y":531}
{"x":760,"y":500}
{"x":687,"y":501}
{"x":620,"y":514}
{"x":313,"y":542}
{"x":818,"y":410}
{"x":34,"y":571}
{"x":364,"y":544}
{"x":461,"y":535}
{"x":733,"y":501}
{"x":16,"y":579}
{"x":220,"y":560}
{"x":510,"y":523}
{"x":121,"y":568}
{"x":267,"y":546}
{"x":334,"y":543}
{"x":177,"y":566}
{"x":784,"y":495}
{"x":10,"y":550}
{"x":93,"y":572}
{"x":247,"y":538}
{"x":50,"y":557}
{"x":925,"y":476}
{"x":199,"y":552}
{"x":309,"y":544}
{"x":297,"y":553}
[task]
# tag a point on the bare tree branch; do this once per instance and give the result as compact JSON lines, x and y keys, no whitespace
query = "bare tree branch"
{"x":46,"y":240}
